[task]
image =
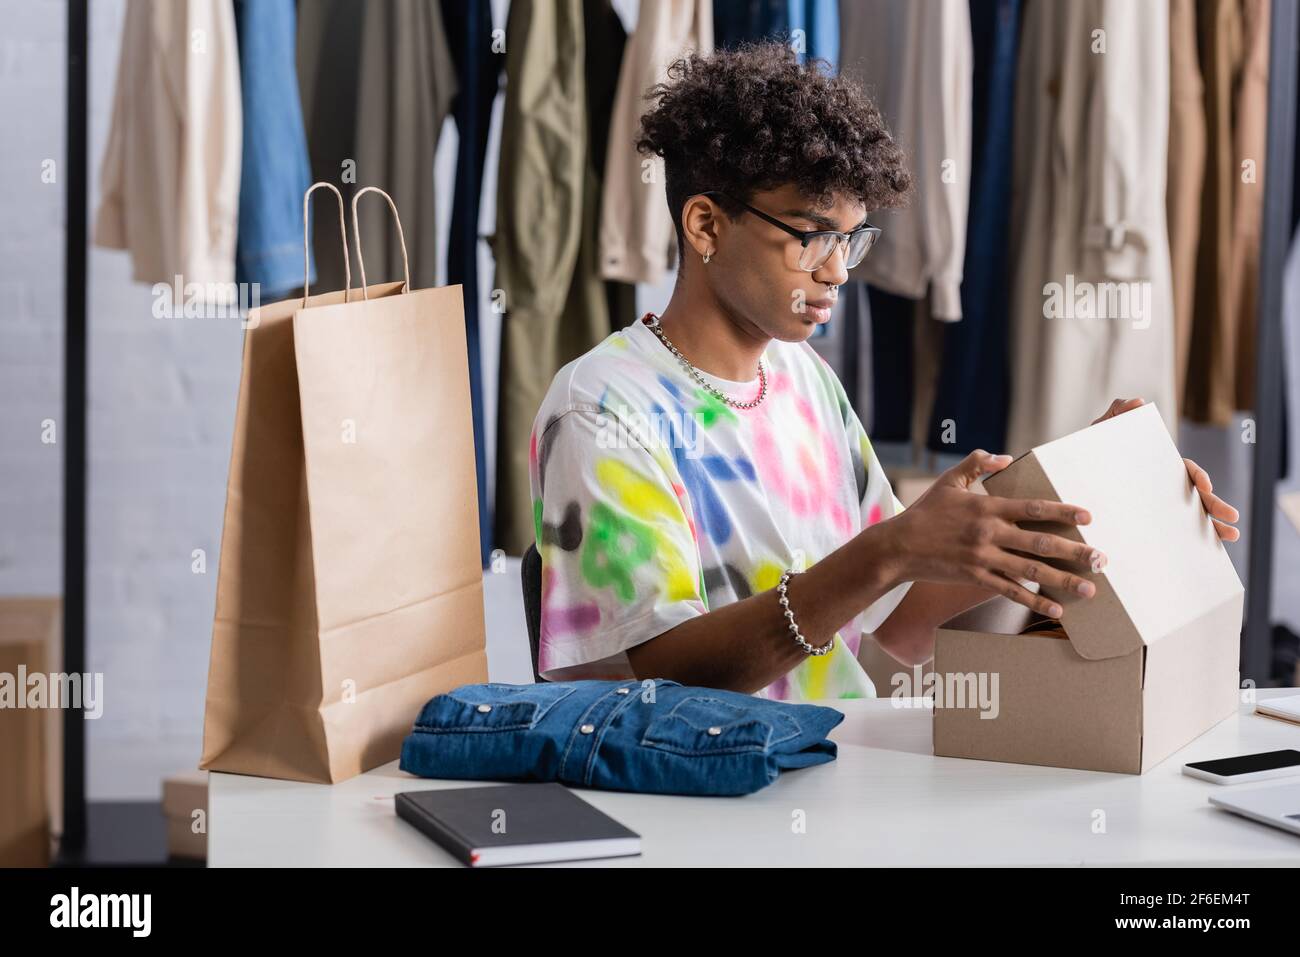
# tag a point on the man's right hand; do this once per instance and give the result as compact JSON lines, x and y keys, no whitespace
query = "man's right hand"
{"x":952,"y":534}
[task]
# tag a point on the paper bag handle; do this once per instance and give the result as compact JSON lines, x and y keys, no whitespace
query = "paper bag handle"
{"x":306,"y":242}
{"x":356,"y":237}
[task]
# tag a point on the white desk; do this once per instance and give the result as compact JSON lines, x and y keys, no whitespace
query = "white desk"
{"x":886,"y":800}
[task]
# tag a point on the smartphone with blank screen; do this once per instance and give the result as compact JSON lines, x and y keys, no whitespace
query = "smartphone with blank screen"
{"x":1247,"y":767}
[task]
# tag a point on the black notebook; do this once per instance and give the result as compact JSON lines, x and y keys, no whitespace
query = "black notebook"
{"x":516,"y":824}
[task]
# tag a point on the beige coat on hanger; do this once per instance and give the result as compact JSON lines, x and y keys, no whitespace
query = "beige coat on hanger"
{"x":915,"y":60}
{"x":637,"y":238}
{"x":1092,"y":298}
{"x":169,"y":179}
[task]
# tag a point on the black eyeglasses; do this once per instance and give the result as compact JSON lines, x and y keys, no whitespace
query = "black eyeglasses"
{"x":818,"y":244}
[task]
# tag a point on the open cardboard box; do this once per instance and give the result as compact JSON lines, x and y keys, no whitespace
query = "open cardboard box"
{"x":1151,"y":660}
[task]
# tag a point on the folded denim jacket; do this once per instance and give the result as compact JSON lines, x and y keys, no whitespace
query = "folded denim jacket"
{"x":657,"y":737}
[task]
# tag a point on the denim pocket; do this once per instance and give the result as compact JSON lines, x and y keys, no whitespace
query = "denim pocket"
{"x":491,"y":707}
{"x":700,"y":725}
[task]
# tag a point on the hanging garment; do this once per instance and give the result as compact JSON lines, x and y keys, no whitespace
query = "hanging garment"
{"x":915,"y":59}
{"x":972,"y":401}
{"x":738,"y":21}
{"x":606,"y":40}
{"x":830,"y":345}
{"x":1186,"y":173}
{"x":846,"y":347}
{"x":817,"y":23}
{"x":405,"y":87}
{"x":170,"y":171}
{"x":1229,"y":34}
{"x":329,"y":57}
{"x":1091,"y":291}
{"x":810,"y":26}
{"x":905,"y":359}
{"x":927,"y":361}
{"x":892,"y":366}
{"x":637,"y":237}
{"x":377,"y":82}
{"x":275,"y":169}
{"x":478,"y":66}
{"x":858,"y":379}
{"x":548,"y":220}
{"x":613,"y":736}
{"x":1250,"y":141}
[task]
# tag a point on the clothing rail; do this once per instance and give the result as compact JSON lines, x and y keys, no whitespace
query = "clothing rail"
{"x":74,"y":427}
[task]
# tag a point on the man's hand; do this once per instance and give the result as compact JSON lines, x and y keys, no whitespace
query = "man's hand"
{"x":952,"y":534}
{"x":1220,"y":512}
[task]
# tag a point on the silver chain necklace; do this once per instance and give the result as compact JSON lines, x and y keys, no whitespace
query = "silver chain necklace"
{"x":699,"y":376}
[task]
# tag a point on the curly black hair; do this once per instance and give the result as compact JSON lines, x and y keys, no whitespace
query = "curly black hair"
{"x":753,"y":118}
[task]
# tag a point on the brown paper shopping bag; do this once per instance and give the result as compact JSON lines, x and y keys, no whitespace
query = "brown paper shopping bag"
{"x":350,"y":589}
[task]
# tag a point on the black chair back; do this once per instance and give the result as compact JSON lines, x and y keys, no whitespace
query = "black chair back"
{"x":532,"y":585}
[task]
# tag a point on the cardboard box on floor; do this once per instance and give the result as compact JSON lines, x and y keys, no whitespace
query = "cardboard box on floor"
{"x":184,"y":794}
{"x":1151,"y":660}
{"x":31,"y":739}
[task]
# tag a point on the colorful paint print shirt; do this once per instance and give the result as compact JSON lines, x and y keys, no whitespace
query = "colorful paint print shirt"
{"x":654,"y":502}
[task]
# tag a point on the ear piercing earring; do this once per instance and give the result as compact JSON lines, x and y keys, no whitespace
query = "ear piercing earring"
{"x":708,"y":256}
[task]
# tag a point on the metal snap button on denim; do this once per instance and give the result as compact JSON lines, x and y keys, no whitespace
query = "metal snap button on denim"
{"x":587,"y":728}
{"x":484,"y":708}
{"x":715,"y":730}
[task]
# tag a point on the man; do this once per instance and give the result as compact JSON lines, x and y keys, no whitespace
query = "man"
{"x":687,"y":470}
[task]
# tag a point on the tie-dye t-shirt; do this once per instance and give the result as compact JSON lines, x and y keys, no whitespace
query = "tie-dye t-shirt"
{"x":654,"y":502}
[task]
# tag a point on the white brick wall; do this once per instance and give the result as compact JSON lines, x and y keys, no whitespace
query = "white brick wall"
{"x":31,"y":295}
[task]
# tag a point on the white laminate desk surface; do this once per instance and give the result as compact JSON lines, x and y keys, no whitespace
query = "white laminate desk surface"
{"x":885,"y":801}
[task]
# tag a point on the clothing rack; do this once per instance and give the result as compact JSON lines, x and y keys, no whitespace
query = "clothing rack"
{"x":1275,"y":242}
{"x":74,"y":426}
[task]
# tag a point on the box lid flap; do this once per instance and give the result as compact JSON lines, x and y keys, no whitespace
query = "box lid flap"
{"x":1165,"y":563}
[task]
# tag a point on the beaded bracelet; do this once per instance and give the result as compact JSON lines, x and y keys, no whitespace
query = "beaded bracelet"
{"x":789,"y":618}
